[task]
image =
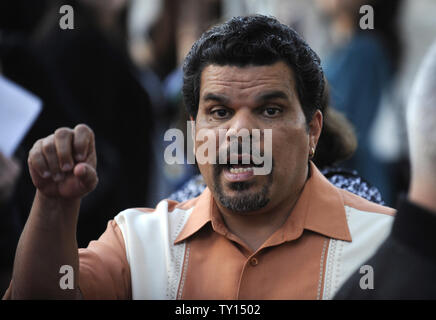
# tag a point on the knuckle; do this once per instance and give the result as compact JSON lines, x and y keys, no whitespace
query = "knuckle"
{"x":35,"y":150}
{"x":35,"y":146}
{"x":82,"y":127}
{"x":48,"y":147}
{"x":63,"y":132}
{"x":36,"y":163}
{"x":85,"y":129}
{"x":31,"y":154}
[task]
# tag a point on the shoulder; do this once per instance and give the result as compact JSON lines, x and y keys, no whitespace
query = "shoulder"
{"x":165,"y":205}
{"x":167,"y":215}
{"x":363,"y":205}
{"x":369,"y":225}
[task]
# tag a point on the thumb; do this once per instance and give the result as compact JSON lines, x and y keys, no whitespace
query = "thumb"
{"x":87,"y":176}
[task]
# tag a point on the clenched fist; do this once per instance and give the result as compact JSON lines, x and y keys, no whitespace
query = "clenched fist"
{"x":63,"y":165}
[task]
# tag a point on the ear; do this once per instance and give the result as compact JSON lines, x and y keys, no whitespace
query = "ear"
{"x":315,"y":127}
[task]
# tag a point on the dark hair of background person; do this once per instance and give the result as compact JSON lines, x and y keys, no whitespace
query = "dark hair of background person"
{"x":386,"y":20}
{"x":255,"y":40}
{"x":337,"y":141}
{"x":21,"y":16}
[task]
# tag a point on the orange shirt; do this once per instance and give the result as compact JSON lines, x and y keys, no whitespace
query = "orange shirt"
{"x":291,"y":264}
{"x":329,"y":233}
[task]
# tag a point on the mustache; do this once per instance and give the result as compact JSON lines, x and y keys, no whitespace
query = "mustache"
{"x":254,"y":160}
{"x":228,"y":155}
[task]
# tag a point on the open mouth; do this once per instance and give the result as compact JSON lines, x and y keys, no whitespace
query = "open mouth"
{"x":238,"y":174}
{"x":240,"y":171}
{"x":240,"y":168}
{"x":243,"y":161}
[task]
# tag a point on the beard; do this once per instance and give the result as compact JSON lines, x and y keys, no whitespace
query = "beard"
{"x":244,"y":201}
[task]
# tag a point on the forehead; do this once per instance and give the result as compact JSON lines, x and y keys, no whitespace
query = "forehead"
{"x":248,"y":80}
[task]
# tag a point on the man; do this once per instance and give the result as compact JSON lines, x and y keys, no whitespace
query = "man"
{"x":287,"y":234}
{"x":404,"y":266}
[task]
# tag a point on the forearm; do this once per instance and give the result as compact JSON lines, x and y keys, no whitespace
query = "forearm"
{"x":63,"y":170}
{"x":48,"y":242}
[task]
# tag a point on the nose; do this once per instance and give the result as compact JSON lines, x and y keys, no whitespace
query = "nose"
{"x":239,"y":135}
{"x":242,"y":122}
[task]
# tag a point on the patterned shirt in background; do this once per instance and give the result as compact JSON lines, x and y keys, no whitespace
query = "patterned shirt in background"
{"x":342,"y":178}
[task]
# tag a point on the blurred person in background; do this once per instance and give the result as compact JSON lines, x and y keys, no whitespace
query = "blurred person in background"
{"x":10,"y":226}
{"x":404,"y":265}
{"x":17,"y":22}
{"x":159,"y":47}
{"x":361,"y":69}
{"x":83,"y":75}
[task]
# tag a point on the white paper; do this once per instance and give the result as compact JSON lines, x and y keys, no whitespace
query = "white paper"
{"x":18,"y":110}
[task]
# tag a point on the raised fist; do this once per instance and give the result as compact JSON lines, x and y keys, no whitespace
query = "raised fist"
{"x":63,"y":165}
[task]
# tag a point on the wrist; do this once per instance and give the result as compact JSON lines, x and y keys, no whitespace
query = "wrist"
{"x":56,"y":210}
{"x":56,"y":201}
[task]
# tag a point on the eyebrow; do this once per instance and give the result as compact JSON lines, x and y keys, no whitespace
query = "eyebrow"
{"x":216,"y":97}
{"x":271,"y":96}
{"x":263,"y":97}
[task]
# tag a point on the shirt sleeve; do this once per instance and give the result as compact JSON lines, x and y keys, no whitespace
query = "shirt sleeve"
{"x":104,"y":269}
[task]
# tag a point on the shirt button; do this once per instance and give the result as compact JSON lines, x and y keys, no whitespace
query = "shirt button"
{"x":254,"y":262}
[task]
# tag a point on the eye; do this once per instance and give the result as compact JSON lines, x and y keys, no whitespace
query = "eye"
{"x":220,"y":113}
{"x":271,"y":112}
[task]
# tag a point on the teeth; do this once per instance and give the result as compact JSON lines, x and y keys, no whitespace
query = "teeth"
{"x":240,"y":170}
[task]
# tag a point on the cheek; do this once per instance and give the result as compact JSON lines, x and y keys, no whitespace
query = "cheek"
{"x":201,"y":149}
{"x":206,"y":170}
{"x":290,"y":149}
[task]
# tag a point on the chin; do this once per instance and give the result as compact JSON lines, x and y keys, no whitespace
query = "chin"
{"x":242,"y":197}
{"x":244,"y":203}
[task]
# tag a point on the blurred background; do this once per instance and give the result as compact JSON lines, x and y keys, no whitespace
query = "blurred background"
{"x":119,"y":71}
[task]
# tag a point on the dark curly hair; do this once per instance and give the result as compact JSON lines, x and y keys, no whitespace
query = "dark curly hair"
{"x":337,"y":141}
{"x":254,"y":40}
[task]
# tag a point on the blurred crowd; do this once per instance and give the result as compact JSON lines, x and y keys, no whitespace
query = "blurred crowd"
{"x":119,"y":71}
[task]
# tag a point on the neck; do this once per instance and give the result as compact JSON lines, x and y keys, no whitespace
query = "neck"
{"x":423,"y":193}
{"x":255,"y":228}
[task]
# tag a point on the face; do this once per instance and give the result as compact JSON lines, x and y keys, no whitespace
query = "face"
{"x":335,"y":7}
{"x":255,"y":97}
